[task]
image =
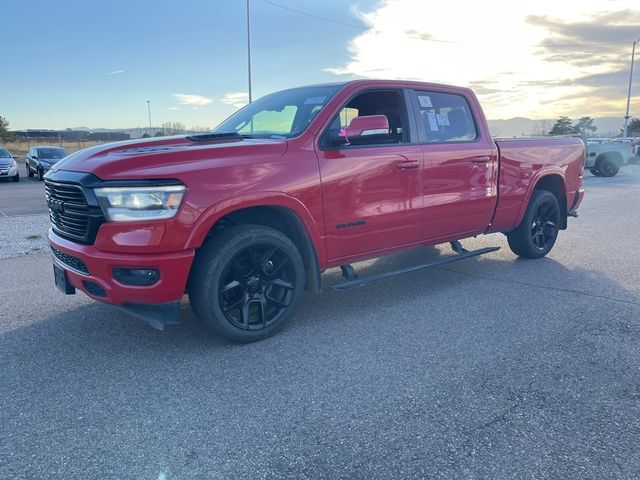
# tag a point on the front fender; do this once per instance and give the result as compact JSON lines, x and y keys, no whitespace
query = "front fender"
{"x":260,"y":199}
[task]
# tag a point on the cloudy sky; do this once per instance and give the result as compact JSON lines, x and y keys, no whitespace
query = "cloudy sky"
{"x":73,"y":63}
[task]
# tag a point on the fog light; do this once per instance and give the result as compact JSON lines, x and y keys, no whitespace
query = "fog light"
{"x":139,"y":277}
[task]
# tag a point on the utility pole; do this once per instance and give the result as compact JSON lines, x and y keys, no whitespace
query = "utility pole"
{"x":249,"y":47}
{"x":149,"y":110}
{"x":626,"y":117}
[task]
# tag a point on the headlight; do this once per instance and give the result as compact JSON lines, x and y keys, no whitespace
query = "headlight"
{"x":129,"y":204}
{"x":45,"y":164}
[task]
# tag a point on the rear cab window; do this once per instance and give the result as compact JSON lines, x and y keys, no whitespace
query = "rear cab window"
{"x":444,"y":118}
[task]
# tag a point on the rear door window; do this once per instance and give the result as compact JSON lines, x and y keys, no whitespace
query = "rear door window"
{"x":445,"y":117}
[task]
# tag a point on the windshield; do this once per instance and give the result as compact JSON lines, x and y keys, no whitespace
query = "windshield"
{"x":4,"y":153}
{"x":283,"y":114}
{"x":52,"y":153}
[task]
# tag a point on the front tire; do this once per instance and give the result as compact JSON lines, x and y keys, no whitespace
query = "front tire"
{"x":29,"y":172}
{"x":40,"y":174}
{"x":608,"y":168}
{"x":15,"y":178}
{"x":246,"y":282}
{"x":536,"y":235}
{"x":595,"y":172}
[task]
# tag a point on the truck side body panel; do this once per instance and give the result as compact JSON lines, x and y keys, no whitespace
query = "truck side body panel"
{"x":523,"y":163}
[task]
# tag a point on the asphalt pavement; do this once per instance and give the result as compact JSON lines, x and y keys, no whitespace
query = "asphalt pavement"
{"x":494,"y":367}
{"x":25,"y":197}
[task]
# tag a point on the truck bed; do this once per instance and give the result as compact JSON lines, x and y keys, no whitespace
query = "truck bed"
{"x":522,"y":162}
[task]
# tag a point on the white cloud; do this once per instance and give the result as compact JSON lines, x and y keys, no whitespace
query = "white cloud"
{"x":172,"y":109}
{"x":480,"y":44}
{"x":106,"y":74}
{"x":237,"y":99}
{"x":186,"y":99}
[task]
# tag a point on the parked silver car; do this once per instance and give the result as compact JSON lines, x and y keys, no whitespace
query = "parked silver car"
{"x":8,"y":165}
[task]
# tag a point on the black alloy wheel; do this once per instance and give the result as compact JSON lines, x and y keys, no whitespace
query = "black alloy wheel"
{"x":537,"y":233}
{"x":246,"y":282}
{"x":257,"y":287}
{"x":544,"y":228}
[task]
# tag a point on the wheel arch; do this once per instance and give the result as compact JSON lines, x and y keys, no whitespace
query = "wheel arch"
{"x":552,"y":181}
{"x":276,"y":211}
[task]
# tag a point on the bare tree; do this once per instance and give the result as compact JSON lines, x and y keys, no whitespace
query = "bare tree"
{"x":199,"y":128}
{"x":173,"y":128}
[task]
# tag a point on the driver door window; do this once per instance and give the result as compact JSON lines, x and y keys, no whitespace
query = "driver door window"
{"x":387,"y":103}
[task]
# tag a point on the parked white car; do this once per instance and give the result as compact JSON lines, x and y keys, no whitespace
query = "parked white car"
{"x":598,"y":141}
{"x":605,"y":160}
{"x":8,"y":165}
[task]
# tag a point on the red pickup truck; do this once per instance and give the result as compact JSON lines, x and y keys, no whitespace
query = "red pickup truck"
{"x":244,"y":218}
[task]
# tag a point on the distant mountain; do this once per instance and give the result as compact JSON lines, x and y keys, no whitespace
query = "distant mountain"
{"x":518,"y":127}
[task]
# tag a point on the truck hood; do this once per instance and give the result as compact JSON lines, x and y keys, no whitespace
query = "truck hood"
{"x":169,"y":156}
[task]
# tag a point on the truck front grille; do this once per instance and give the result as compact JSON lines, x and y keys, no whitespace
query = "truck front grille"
{"x":68,"y":210}
{"x":71,"y":216}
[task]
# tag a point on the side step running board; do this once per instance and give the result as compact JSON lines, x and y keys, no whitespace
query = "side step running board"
{"x":359,"y":282}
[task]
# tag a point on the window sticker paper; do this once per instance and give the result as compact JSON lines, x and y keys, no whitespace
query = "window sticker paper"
{"x":433,"y":121}
{"x":443,"y":120}
{"x":425,"y":101}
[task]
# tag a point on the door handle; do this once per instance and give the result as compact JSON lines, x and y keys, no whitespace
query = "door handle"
{"x":407,"y":165}
{"x":481,"y":159}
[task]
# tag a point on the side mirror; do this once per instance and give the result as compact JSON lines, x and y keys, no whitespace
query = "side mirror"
{"x":15,"y":156}
{"x":366,"y":125}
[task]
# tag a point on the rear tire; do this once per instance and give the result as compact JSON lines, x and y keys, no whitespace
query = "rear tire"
{"x":608,"y":168}
{"x":537,"y":234}
{"x":595,"y":172}
{"x":246,"y":282}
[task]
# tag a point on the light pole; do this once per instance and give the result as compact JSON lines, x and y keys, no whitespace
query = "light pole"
{"x":249,"y":47}
{"x":626,"y":117}
{"x":149,"y":110}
